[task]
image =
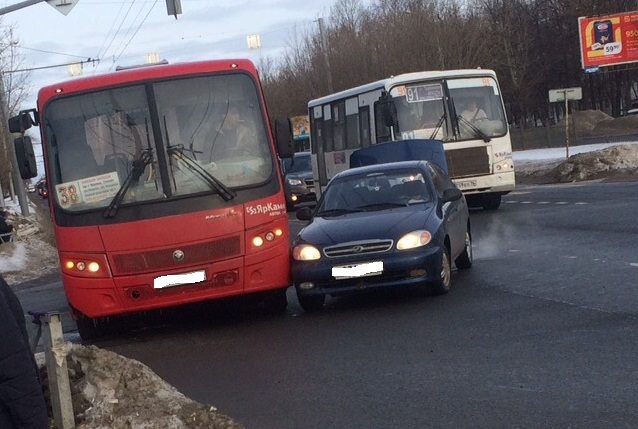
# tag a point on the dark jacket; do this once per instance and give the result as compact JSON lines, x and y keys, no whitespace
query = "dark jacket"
{"x":22,"y":404}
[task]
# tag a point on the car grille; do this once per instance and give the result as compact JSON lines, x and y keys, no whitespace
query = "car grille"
{"x":358,"y":248}
{"x":310,"y":184}
{"x":134,"y":263}
{"x":471,"y":161}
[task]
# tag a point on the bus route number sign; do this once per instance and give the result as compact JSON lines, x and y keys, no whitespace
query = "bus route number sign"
{"x":419,"y":93}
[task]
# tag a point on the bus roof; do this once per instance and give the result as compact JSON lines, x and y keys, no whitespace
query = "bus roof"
{"x":399,"y":79}
{"x":143,"y":73}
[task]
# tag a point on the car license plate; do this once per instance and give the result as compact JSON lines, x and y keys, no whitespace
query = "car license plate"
{"x":358,"y":270}
{"x":179,"y":279}
{"x":466,"y":184}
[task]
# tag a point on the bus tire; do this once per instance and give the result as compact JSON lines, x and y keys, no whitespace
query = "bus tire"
{"x":443,"y":283}
{"x":276,"y":301}
{"x":491,"y":201}
{"x":311,"y":303}
{"x":88,"y":328}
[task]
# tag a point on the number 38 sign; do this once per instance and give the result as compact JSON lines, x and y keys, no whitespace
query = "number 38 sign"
{"x":608,"y":40}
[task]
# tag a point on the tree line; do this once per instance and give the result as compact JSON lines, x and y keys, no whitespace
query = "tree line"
{"x":533,"y":45}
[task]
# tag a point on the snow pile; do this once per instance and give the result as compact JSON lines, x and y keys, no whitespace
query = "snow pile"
{"x":112,"y":392}
{"x":593,"y":165}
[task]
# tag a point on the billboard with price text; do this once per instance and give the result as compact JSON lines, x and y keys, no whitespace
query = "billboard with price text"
{"x":608,"y":40}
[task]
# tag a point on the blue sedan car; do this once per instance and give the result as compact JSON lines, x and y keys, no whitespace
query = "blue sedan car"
{"x":384,"y":225}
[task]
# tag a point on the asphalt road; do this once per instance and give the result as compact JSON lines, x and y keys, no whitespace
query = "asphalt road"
{"x":541,"y":332}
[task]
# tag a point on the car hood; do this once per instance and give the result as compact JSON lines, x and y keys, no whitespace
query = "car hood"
{"x":385,"y":224}
{"x":299,"y":175}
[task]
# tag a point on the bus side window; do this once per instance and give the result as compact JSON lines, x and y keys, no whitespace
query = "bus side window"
{"x":364,"y":126}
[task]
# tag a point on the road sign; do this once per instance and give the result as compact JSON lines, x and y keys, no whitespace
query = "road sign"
{"x":62,"y":6}
{"x":565,"y":94}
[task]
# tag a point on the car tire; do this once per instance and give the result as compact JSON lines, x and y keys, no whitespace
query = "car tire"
{"x":276,"y":301}
{"x":465,"y":259}
{"x":311,"y":303}
{"x":442,"y":285}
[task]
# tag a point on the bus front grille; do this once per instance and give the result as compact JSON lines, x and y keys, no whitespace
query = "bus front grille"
{"x":471,"y":161}
{"x":135,"y":263}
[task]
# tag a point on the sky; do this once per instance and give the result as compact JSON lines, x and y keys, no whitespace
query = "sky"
{"x":123,"y":32}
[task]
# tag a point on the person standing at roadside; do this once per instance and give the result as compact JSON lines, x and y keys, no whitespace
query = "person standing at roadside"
{"x":22,"y":403}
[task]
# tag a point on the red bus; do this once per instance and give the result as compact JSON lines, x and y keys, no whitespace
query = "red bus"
{"x":164,"y":188}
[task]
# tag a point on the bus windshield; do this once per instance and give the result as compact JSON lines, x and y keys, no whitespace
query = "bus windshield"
{"x":475,"y":111}
{"x":158,"y":140}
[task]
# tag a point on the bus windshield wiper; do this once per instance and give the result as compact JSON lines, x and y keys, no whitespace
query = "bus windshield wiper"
{"x":139,"y":165}
{"x":224,"y":191}
{"x":438,"y":127}
{"x":474,"y":128}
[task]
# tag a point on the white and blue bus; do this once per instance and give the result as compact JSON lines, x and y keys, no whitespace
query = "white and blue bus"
{"x":462,"y":108}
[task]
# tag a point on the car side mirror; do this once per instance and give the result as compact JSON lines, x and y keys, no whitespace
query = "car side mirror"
{"x":304,"y":213}
{"x":451,"y":194}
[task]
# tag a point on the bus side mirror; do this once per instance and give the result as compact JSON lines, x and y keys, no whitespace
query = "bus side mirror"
{"x":388,"y":110}
{"x":22,"y":122}
{"x":26,"y":158}
{"x":283,"y":137}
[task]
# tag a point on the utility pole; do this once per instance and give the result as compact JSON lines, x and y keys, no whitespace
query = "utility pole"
{"x":324,"y":48}
{"x":18,"y":183}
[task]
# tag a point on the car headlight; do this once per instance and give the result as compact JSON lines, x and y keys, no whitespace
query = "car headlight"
{"x":294,"y":182}
{"x":414,"y":239}
{"x":305,"y":252}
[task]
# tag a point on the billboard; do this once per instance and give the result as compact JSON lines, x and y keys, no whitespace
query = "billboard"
{"x":608,"y":40}
{"x":300,"y":127}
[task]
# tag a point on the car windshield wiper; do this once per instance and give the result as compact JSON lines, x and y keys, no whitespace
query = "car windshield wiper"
{"x":139,"y":165}
{"x":474,"y":128}
{"x":224,"y":191}
{"x":381,"y":206}
{"x":337,"y":212}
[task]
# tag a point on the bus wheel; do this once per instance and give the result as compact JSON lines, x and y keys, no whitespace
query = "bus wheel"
{"x":443,"y":284}
{"x":276,"y":302}
{"x":88,"y":328}
{"x":491,"y":201}
{"x":311,"y":303}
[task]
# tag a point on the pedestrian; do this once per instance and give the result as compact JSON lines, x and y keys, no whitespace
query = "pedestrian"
{"x":6,"y":229}
{"x":22,"y":403}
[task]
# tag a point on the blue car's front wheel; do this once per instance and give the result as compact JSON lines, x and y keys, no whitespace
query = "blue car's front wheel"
{"x":443,"y":283}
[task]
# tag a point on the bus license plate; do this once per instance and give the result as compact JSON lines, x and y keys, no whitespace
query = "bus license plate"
{"x":358,"y":270}
{"x":466,"y":184}
{"x":179,"y":279}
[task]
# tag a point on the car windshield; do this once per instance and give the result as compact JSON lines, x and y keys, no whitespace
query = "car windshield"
{"x":300,"y":164}
{"x":377,"y":191}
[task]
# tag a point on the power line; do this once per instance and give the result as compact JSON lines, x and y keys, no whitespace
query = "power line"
{"x":89,"y":60}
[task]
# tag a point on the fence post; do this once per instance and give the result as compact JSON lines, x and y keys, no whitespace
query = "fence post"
{"x":58,"y":373}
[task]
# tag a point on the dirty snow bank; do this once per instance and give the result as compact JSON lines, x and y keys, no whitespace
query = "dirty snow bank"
{"x":113,"y":392}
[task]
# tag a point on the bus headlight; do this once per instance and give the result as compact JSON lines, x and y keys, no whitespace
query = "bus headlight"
{"x":85,"y":265}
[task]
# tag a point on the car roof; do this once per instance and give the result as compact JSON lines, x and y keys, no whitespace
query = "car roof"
{"x":375,"y":168}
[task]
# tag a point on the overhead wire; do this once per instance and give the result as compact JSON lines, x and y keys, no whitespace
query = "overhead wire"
{"x":136,"y":30}
{"x":106,"y":38}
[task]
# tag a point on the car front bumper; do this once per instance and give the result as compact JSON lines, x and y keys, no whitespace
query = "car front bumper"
{"x":400,"y":268}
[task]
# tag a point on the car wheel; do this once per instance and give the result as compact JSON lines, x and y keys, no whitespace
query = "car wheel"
{"x":311,"y":303}
{"x":276,"y":302}
{"x":466,"y":258}
{"x":442,"y":285}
